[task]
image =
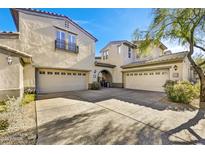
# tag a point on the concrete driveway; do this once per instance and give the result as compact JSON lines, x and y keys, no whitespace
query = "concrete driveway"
{"x":117,"y":116}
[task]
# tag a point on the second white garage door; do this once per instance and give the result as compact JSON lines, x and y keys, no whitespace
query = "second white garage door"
{"x":147,"y":80}
{"x":58,"y":81}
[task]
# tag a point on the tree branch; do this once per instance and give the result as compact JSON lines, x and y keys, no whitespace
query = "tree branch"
{"x":199,"y":47}
{"x":202,"y":63}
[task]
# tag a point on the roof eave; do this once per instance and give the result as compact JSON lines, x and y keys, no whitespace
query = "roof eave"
{"x":15,"y":11}
{"x":15,"y":17}
{"x":104,"y":65}
{"x":152,"y":63}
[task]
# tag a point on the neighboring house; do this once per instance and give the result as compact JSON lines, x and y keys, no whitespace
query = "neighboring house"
{"x":51,"y":53}
{"x":62,"y":53}
{"x":146,"y":72}
{"x":11,"y":71}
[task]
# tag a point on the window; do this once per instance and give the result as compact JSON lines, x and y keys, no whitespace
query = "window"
{"x":84,"y":74}
{"x":63,"y":73}
{"x":127,"y":74}
{"x":42,"y":72}
{"x":145,"y":74}
{"x":74,"y":73}
{"x":136,"y":74}
{"x":49,"y":73}
{"x":106,"y":54}
{"x":71,"y":42}
{"x":103,"y":55}
{"x":57,"y":73}
{"x":60,"y":40}
{"x":68,"y":73}
{"x":151,"y":73}
{"x":131,"y":74}
{"x":79,"y":74}
{"x":129,"y":53}
{"x":157,"y":73}
{"x":140,"y":74}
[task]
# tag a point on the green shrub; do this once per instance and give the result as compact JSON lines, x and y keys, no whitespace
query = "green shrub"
{"x":2,"y":106}
{"x":27,"y":98}
{"x":181,"y":92}
{"x":95,"y":86}
{"x":4,"y":124}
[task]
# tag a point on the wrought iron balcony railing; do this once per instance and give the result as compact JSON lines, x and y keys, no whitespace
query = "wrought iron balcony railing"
{"x":70,"y":47}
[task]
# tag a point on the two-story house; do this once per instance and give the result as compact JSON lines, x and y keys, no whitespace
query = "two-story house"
{"x":48,"y":53}
{"x":149,"y":71}
{"x":51,"y":53}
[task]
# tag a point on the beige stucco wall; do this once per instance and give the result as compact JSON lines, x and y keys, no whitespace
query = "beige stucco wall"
{"x":120,"y":58}
{"x":11,"y":77}
{"x":37,"y":38}
{"x":29,"y":76}
{"x":98,"y":69}
{"x":38,"y":35}
{"x":150,"y":53}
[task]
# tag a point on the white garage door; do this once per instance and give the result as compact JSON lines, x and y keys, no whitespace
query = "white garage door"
{"x":59,"y":81}
{"x":147,"y":80}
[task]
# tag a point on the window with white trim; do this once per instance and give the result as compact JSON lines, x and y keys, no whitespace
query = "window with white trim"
{"x":60,"y":39}
{"x":72,"y":42}
{"x":106,"y":54}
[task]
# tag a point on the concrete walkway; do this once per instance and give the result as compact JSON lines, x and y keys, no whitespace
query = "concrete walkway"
{"x":117,"y":116}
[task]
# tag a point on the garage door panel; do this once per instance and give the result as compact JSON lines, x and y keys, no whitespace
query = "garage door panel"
{"x":147,"y":80}
{"x":62,"y":81}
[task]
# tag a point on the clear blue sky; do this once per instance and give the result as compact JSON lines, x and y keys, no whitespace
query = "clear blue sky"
{"x":105,"y":24}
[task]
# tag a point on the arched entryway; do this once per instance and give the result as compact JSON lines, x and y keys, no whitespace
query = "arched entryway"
{"x":105,"y":78}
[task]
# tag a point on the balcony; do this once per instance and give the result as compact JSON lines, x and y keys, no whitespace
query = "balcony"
{"x":63,"y":45}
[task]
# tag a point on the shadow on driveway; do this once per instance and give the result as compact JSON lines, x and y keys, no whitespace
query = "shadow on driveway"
{"x":140,"y":97}
{"x":99,"y":126}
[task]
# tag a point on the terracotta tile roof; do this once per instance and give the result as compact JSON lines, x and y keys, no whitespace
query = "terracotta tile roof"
{"x":104,"y":64}
{"x":7,"y":50}
{"x":162,"y":59}
{"x":52,"y":14}
{"x":9,"y":32}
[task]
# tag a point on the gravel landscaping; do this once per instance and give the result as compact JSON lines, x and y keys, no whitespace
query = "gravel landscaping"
{"x":22,"y":123}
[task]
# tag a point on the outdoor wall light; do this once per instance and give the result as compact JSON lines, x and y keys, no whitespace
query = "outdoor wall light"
{"x":175,"y":67}
{"x":9,"y":60}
